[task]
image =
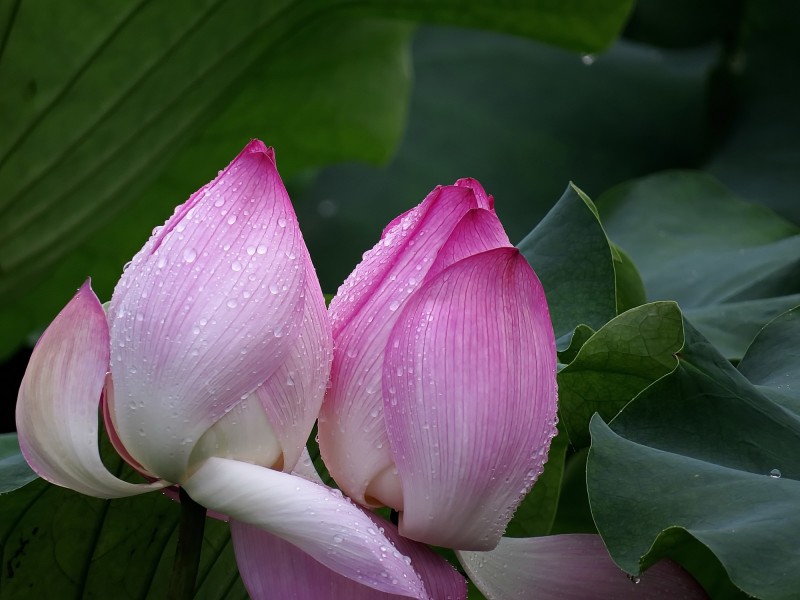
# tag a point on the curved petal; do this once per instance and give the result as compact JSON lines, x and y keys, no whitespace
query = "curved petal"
{"x":477,"y":231}
{"x":273,"y":568}
{"x":352,"y":434}
{"x":57,"y":418}
{"x":469,"y":384}
{"x":484,"y":200}
{"x":206,"y":311}
{"x":293,"y":395}
{"x":570,"y":567}
{"x":316,"y":519}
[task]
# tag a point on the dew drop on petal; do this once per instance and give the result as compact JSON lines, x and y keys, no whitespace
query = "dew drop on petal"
{"x":189,"y":255}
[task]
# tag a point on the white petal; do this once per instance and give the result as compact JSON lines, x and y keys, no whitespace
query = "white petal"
{"x":316,"y":519}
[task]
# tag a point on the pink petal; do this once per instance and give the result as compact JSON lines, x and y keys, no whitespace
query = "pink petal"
{"x":293,"y":395}
{"x":57,"y":417}
{"x":352,"y":434}
{"x":470,"y":399}
{"x":484,"y":200}
{"x":314,"y":518}
{"x":274,"y":568}
{"x":570,"y":567}
{"x":206,"y":312}
{"x":477,"y":231}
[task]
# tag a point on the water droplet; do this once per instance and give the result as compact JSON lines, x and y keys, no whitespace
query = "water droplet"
{"x":231,"y":219}
{"x":219,"y":202}
{"x":236,"y":266}
{"x":394,"y":306}
{"x":281,"y":222}
{"x":189,"y":255}
{"x":337,"y":539}
{"x":274,"y":288}
{"x":231,"y":303}
{"x":775,"y":473}
{"x":588,"y":59}
{"x":262,"y":249}
{"x":251,"y":250}
{"x":634,"y":578}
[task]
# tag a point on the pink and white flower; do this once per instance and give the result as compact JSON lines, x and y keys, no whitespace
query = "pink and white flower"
{"x":442,"y":402}
{"x":210,"y":365}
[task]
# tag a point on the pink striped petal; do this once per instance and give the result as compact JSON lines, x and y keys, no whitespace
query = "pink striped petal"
{"x":293,"y":395}
{"x":206,"y":312}
{"x":352,"y":434}
{"x":477,"y":231}
{"x":57,"y":418}
{"x":273,"y":568}
{"x":570,"y":567}
{"x":314,"y":518}
{"x":470,"y":399}
{"x":484,"y":200}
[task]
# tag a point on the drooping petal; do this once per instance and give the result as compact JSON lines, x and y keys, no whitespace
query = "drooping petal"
{"x":273,"y":568}
{"x":316,"y":519}
{"x":293,"y":395}
{"x":352,"y":434}
{"x":470,"y":399}
{"x":206,"y":311}
{"x":570,"y":567}
{"x":57,"y":406}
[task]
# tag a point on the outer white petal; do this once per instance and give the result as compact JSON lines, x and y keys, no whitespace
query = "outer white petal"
{"x":206,"y":312}
{"x":570,"y":567}
{"x":314,"y":518}
{"x":293,"y":395}
{"x":57,"y":407}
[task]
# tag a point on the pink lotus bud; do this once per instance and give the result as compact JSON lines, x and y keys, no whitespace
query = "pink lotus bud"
{"x":442,"y":403}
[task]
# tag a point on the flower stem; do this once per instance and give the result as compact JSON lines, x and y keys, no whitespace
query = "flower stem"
{"x":187,"y":554}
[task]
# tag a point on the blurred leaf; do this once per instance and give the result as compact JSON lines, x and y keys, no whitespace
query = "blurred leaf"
{"x":90,"y":548}
{"x":95,"y":127}
{"x":571,"y":255}
{"x":759,"y":156}
{"x":623,"y":358}
{"x":772,"y":360}
{"x":695,"y":242}
{"x":580,"y":25}
{"x":14,"y":471}
{"x":535,"y":514}
{"x":714,"y":458}
{"x":522,"y":118}
{"x":328,"y":91}
{"x":731,"y":326}
{"x":683,"y":23}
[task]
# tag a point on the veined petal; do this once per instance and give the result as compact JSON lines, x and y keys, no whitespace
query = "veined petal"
{"x":206,"y":311}
{"x":57,"y":418}
{"x":484,"y":200}
{"x":477,"y":231}
{"x":570,"y":567}
{"x":293,"y":395}
{"x":316,"y":519}
{"x":274,"y":568}
{"x":469,"y":384}
{"x":352,"y":434}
